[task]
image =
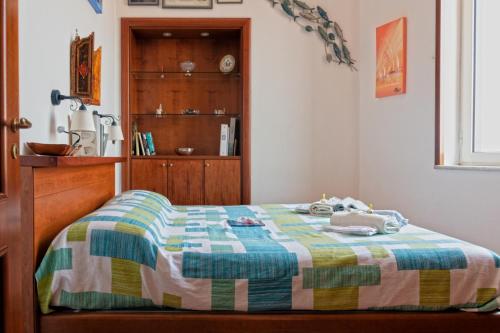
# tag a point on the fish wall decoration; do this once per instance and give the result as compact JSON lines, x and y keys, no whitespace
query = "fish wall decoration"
{"x":316,"y":19}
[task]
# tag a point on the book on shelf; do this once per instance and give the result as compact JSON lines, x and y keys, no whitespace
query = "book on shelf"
{"x":151,"y":145}
{"x":224,"y":140}
{"x":143,"y":144}
{"x":233,"y":136}
{"x":232,"y":127}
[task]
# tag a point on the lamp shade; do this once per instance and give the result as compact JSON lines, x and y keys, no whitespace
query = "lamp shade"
{"x":82,"y":121}
{"x":115,"y":133}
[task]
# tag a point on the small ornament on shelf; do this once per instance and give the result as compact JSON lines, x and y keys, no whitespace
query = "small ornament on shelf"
{"x":188,"y":67}
{"x":220,"y":112}
{"x":159,"y":111}
{"x":191,"y":112}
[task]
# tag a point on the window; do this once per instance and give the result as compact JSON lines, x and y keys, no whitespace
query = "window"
{"x":470,"y":94}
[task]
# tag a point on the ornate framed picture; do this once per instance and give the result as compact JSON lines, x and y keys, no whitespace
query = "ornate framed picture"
{"x":229,"y":1}
{"x":81,"y":66}
{"x":188,"y":4}
{"x":85,"y":71}
{"x":143,"y":2}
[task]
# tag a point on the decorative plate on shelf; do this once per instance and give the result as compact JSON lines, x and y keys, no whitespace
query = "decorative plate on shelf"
{"x":227,"y":64}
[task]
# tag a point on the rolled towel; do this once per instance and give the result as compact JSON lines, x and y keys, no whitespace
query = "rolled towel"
{"x":397,"y":215}
{"x":326,"y":208}
{"x":383,"y":224}
{"x":323,"y":209}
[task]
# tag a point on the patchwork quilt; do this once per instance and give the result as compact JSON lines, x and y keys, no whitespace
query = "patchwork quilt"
{"x":140,"y":252}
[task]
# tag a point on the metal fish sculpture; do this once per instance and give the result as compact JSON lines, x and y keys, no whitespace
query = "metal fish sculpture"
{"x":322,"y":32}
{"x":338,"y":31}
{"x":303,"y":5}
{"x":273,"y":2}
{"x":323,"y":14}
{"x":315,"y":18}
{"x":309,"y":16}
{"x":347,"y":57}
{"x":338,"y":53}
{"x":289,"y":11}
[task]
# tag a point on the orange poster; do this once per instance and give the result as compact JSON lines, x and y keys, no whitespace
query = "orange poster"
{"x":391,"y":59}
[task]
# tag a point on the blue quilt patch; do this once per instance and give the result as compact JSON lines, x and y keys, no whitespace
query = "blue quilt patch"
{"x":260,"y":266}
{"x":430,"y":259}
{"x":114,"y":244}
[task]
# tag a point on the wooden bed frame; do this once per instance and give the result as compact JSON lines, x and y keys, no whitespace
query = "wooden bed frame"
{"x":58,"y":191}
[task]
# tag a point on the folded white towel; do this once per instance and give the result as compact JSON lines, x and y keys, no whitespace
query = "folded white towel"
{"x":354,"y":230}
{"x":383,"y":224}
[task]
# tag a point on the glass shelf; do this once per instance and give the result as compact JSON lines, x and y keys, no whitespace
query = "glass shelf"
{"x":184,"y":76}
{"x":190,"y":157}
{"x":168,"y":115}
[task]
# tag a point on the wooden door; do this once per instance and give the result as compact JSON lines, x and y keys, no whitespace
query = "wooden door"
{"x":150,"y":175}
{"x":11,"y":311}
{"x":222,"y":182}
{"x":185,"y":182}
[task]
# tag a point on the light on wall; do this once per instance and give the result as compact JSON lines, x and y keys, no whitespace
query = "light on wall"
{"x":81,"y":120}
{"x":114,"y":134}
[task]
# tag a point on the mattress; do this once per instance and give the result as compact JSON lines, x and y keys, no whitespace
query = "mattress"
{"x":140,"y":252}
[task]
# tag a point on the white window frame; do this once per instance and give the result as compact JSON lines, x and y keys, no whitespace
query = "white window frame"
{"x":466,"y":118}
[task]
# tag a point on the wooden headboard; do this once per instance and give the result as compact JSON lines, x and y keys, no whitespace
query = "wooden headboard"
{"x":57,"y":191}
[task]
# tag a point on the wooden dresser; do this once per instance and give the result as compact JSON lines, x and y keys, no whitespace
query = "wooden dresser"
{"x":152,"y":51}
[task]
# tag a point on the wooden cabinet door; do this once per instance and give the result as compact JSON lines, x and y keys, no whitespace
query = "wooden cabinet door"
{"x":185,"y":182}
{"x":150,"y":175}
{"x":222,"y":182}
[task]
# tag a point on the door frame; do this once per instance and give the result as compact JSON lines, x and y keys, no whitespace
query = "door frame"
{"x":10,"y":188}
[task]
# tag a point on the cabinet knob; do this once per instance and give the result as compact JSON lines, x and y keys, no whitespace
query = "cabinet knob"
{"x":163,"y":165}
{"x":207,"y":165}
{"x":171,"y":164}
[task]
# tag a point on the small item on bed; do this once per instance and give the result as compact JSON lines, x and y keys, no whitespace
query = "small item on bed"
{"x":245,"y":222}
{"x":363,"y":223}
{"x":303,"y":209}
{"x":325,"y":208}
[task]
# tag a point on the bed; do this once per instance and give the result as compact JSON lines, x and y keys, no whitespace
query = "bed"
{"x":287,"y":275}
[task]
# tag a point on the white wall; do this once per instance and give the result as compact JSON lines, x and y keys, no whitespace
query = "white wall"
{"x":46,"y":29}
{"x":302,"y":108}
{"x":397,"y":138}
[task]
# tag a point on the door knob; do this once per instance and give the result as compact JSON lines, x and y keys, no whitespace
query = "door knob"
{"x":18,"y":124}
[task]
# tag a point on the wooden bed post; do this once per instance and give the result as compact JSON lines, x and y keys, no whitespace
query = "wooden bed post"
{"x":56,"y":191}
